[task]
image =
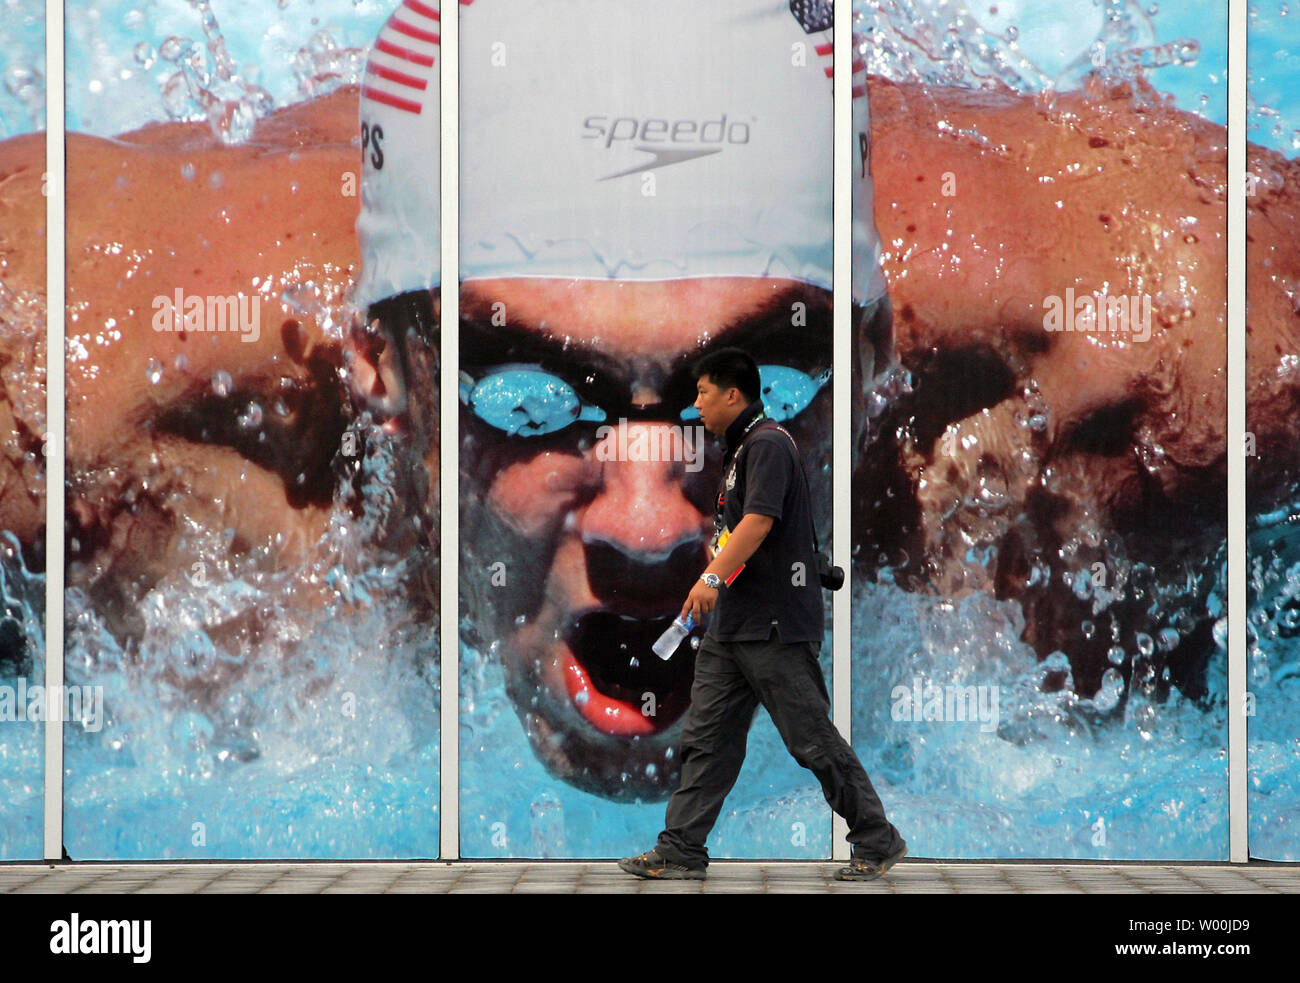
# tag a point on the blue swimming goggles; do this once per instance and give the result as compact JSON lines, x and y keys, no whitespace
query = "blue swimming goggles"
{"x":527,"y":401}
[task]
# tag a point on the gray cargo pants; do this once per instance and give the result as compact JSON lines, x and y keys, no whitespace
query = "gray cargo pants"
{"x":731,"y":678}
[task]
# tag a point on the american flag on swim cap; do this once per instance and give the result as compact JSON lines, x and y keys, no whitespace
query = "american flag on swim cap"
{"x":817,"y":18}
{"x":813,"y":15}
{"x":400,"y":139}
{"x":404,"y":59}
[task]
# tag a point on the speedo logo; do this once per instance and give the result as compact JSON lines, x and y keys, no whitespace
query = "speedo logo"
{"x":668,"y":141}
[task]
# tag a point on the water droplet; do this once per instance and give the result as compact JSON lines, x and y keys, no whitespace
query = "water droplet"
{"x":145,"y":56}
{"x":173,"y":48}
{"x":181,"y":362}
{"x":1088,"y":629}
{"x":176,"y":96}
{"x":1115,"y":656}
{"x":1146,"y":644}
{"x":153,"y":371}
{"x":187,"y":171}
{"x":1112,"y":688}
{"x":222,"y":383}
{"x":251,"y":418}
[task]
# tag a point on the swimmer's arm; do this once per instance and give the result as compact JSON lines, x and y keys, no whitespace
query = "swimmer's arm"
{"x":22,"y":342}
{"x":749,"y":534}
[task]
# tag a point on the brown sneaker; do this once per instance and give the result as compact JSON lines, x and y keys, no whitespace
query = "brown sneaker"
{"x":652,"y":864}
{"x":862,"y":869}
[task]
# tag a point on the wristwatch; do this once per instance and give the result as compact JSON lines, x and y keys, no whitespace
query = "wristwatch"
{"x":711,"y":580}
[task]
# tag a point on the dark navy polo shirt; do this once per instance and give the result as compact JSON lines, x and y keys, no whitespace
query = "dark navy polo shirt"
{"x":778,"y":589}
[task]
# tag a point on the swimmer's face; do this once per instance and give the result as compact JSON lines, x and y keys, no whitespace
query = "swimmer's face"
{"x":587,"y":489}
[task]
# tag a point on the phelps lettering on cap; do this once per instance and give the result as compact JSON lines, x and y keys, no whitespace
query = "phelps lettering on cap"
{"x":655,"y":141}
{"x":399,"y":226}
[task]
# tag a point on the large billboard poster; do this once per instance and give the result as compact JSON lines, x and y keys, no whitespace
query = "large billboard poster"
{"x":251,"y":569}
{"x":1039,"y":441}
{"x":1040,"y":493}
{"x":641,"y":184}
{"x":1272,"y":459}
{"x":23,"y":700}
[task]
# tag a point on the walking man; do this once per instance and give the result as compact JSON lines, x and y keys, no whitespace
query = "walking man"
{"x":763,"y":641}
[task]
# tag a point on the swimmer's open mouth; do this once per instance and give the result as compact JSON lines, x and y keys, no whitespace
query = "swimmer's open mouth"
{"x":617,"y":683}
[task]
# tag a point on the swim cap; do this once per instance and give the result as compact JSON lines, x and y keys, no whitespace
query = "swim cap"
{"x":601,"y":140}
{"x":400,"y":139}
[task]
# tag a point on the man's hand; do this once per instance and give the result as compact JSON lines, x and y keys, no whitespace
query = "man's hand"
{"x":700,"y":601}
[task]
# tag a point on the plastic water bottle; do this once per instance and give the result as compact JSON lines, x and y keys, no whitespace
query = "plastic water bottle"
{"x":669,"y":640}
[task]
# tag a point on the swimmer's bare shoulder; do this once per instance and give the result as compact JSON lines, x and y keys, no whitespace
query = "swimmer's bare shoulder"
{"x":1272,"y":321}
{"x":989,"y":203}
{"x":168,"y":208}
{"x":22,"y":344}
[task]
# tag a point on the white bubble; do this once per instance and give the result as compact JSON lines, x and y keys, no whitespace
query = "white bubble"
{"x":145,"y":55}
{"x":251,"y":418}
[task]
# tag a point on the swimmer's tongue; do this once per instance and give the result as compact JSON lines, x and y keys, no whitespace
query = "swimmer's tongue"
{"x":615,"y":650}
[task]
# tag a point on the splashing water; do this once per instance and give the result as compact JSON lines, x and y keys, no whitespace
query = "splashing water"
{"x":22,"y":581}
{"x":1273,"y":681}
{"x":945,"y":42}
{"x":22,"y":743}
{"x":1048,"y":773}
{"x":209,"y":61}
{"x":265,"y":713}
{"x":1273,"y":112}
{"x":22,"y":66}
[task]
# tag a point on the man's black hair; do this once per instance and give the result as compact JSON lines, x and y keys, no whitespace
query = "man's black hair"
{"x":731,"y":367}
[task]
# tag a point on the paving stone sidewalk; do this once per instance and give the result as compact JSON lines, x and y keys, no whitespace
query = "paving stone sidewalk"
{"x":725,"y":877}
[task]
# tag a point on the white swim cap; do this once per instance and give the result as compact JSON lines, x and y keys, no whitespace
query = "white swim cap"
{"x":603,"y":140}
{"x":398,"y":226}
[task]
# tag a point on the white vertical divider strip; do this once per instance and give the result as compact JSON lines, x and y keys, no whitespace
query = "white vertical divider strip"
{"x":449,"y":442}
{"x":842,"y":460}
{"x":54,"y":424}
{"x":1238,"y":847}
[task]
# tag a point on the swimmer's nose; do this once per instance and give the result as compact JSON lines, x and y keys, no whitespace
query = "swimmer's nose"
{"x":643,"y":538}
